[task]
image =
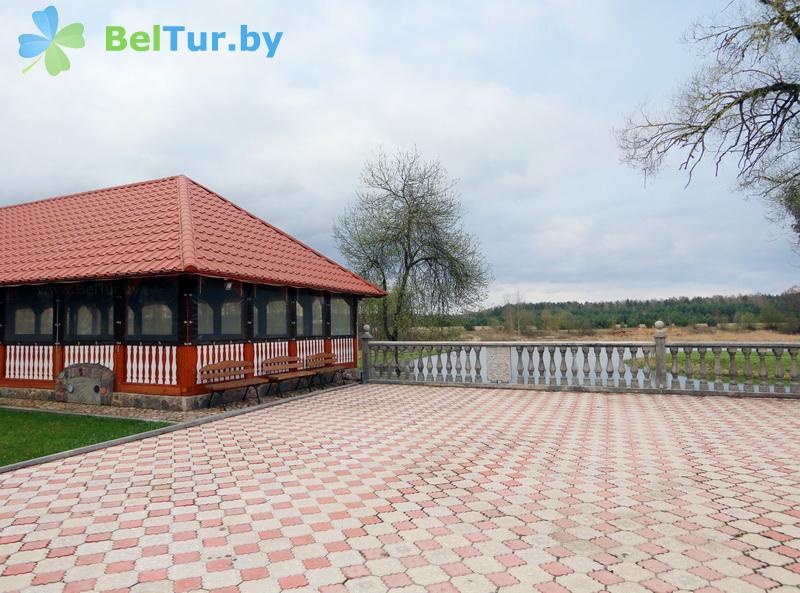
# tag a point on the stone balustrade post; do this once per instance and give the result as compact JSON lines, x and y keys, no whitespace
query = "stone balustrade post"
{"x":498,"y":362}
{"x":366,"y":357}
{"x":660,"y":337}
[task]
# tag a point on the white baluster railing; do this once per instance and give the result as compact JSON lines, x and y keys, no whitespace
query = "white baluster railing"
{"x":211,"y":353}
{"x":151,"y":365}
{"x":102,"y":354}
{"x":32,"y":362}
{"x":265,"y":350}
{"x":732,"y":368}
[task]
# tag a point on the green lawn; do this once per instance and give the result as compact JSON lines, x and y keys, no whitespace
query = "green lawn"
{"x":25,"y":435}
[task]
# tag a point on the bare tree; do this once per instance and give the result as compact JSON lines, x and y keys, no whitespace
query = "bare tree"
{"x":404,"y":233}
{"x":742,"y":104}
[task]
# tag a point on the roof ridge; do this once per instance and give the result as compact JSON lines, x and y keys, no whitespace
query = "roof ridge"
{"x":88,"y":192}
{"x":186,"y":226}
{"x":284,"y":233}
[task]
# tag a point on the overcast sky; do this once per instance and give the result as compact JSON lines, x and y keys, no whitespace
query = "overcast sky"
{"x":518,"y":100}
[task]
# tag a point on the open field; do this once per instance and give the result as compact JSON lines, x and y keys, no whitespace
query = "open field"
{"x":674,"y":334}
{"x":26,"y":435}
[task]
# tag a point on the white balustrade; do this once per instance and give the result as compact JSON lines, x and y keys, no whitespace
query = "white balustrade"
{"x":102,"y":354}
{"x":733,"y":368}
{"x":212,"y":353}
{"x":31,"y":362}
{"x":151,"y":365}
{"x":265,"y":350}
{"x":307,"y":347}
{"x":343,"y":349}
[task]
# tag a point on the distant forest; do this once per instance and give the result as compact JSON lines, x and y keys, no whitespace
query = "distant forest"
{"x":771,"y":311}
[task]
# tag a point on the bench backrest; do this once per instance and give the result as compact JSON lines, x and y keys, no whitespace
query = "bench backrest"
{"x":323,"y":359}
{"x":281,"y":364}
{"x":226,"y":370}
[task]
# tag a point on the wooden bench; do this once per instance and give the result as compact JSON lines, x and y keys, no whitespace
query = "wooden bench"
{"x":230,"y":374}
{"x":324,"y":363}
{"x":285,"y":368}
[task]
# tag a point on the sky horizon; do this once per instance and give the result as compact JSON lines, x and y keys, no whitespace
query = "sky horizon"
{"x":517,"y":99}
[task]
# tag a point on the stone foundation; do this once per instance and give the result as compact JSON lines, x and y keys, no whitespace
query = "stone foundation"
{"x":172,"y":403}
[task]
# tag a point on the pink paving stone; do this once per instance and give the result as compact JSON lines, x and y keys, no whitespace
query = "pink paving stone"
{"x":455,"y":569}
{"x":148,"y":576}
{"x":187,"y":585}
{"x":605,"y":577}
{"x":293,"y":582}
{"x":254,"y":574}
{"x":312,"y":563}
{"x":556,"y":569}
{"x":15,"y":569}
{"x":46,"y":578}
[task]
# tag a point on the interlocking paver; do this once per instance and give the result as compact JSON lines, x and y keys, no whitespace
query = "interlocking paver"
{"x":417,"y":489}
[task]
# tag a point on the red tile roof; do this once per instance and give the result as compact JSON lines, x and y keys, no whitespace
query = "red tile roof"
{"x":164,"y":226}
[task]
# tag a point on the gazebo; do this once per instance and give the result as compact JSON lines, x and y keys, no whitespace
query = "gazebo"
{"x":154,"y":280}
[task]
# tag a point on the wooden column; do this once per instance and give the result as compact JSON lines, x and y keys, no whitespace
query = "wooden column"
{"x":186,"y":352}
{"x":187,"y":369}
{"x":355,"y":351}
{"x":292,"y":297}
{"x":249,"y":355}
{"x":2,"y":361}
{"x":120,"y":365}
{"x":58,"y":359}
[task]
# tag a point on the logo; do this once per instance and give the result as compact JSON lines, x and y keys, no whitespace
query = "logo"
{"x":51,"y":42}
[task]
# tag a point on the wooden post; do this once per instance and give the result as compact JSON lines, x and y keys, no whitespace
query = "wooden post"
{"x":187,"y":369}
{"x":355,"y":352}
{"x":2,"y":361}
{"x":293,"y":347}
{"x":58,"y":360}
{"x":249,"y":355}
{"x":120,"y":365}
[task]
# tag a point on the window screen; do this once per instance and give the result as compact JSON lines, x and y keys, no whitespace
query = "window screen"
{"x":341,"y":316}
{"x":89,"y":312}
{"x":219,"y":310}
{"x":29,"y":314}
{"x":309,"y":314}
{"x":152,"y":310}
{"x":270,"y":312}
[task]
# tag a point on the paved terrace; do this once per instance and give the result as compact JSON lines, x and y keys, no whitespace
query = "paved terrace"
{"x":420,"y":489}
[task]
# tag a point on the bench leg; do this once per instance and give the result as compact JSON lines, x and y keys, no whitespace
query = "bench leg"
{"x":211,"y":399}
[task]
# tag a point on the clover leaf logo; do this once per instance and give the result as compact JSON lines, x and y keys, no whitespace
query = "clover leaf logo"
{"x":55,"y":60}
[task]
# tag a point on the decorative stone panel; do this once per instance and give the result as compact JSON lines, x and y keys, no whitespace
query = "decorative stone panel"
{"x":85,"y":383}
{"x":498,"y":359}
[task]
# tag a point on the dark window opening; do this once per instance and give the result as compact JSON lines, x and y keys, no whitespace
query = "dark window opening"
{"x":152,"y":310}
{"x":341,"y":316}
{"x":309,"y":314}
{"x":219,"y":310}
{"x":89,"y":312}
{"x":270,"y":312}
{"x":29,"y":314}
